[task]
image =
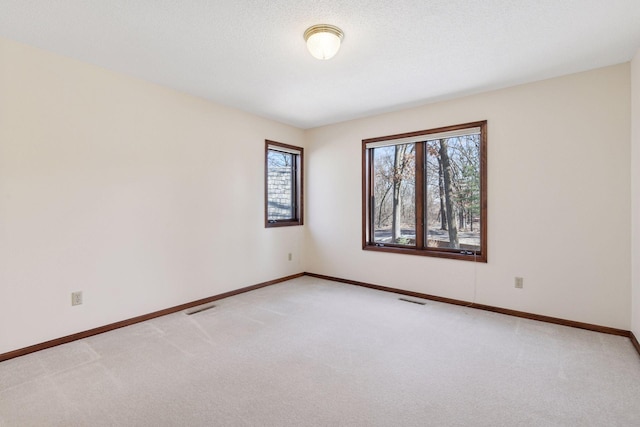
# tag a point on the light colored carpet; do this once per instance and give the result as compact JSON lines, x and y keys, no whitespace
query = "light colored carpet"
{"x":310,"y":352}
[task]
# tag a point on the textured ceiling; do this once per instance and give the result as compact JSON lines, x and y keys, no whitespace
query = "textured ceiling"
{"x":250,"y":54}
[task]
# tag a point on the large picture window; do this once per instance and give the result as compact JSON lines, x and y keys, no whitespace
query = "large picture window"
{"x":283,"y":184}
{"x":425,"y":193}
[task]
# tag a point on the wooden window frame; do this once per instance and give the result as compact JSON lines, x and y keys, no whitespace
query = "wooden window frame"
{"x":420,"y":247}
{"x":298,"y":191}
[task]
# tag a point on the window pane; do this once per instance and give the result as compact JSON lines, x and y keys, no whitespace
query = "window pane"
{"x":394,"y":210}
{"x":453,"y":193}
{"x":280,"y":185}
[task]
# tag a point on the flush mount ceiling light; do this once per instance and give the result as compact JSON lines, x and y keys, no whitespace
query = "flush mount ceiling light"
{"x":323,"y":41}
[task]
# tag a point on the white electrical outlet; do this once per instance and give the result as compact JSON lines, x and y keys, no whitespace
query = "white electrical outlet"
{"x":290,"y":256}
{"x":519,"y":282}
{"x":76,"y":298}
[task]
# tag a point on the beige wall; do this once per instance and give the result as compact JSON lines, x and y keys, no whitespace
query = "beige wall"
{"x":558,"y":200}
{"x":141,"y":197}
{"x":635,"y":193}
{"x":145,"y":198}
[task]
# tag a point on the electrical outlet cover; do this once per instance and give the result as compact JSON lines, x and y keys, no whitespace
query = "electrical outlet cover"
{"x":76,"y":298}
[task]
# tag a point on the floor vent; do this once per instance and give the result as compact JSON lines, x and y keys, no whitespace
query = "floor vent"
{"x":198,"y":309}
{"x":410,"y":300}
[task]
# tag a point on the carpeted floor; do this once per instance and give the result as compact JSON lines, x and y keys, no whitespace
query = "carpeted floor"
{"x":310,"y":352}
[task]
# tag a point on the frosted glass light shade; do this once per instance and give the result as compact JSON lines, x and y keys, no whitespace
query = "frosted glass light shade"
{"x":323,"y":41}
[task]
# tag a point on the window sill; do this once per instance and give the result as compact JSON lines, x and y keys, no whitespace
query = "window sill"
{"x":282,"y":224}
{"x":435,"y":253}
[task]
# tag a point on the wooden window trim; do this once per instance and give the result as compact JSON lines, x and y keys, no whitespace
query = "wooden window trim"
{"x":298,"y":183}
{"x":421,"y":249}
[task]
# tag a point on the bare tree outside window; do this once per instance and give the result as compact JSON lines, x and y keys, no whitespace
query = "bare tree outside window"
{"x":394,"y":194}
{"x":453,"y":177}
